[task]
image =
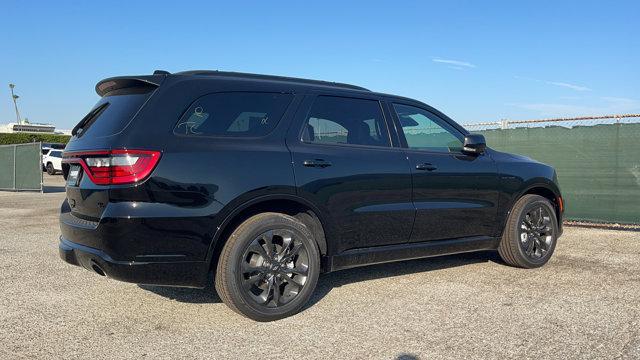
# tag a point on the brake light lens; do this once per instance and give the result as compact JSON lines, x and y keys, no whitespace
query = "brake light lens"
{"x":115,"y":167}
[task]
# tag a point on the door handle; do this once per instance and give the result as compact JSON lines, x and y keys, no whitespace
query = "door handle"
{"x":426,"y":166}
{"x":319,"y":163}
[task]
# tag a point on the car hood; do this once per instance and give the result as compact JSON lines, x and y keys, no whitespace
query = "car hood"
{"x":499,"y":155}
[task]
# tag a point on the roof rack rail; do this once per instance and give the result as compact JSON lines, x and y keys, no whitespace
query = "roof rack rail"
{"x":270,"y":77}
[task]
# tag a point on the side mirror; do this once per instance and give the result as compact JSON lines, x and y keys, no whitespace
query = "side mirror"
{"x":474,"y":144}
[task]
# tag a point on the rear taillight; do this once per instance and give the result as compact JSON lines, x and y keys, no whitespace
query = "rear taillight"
{"x":115,"y":167}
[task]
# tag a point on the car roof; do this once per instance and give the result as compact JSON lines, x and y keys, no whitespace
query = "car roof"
{"x":291,"y":80}
{"x":154,"y":80}
{"x":271,"y":78}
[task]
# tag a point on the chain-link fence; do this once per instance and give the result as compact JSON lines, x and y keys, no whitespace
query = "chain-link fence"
{"x":597,"y":159}
{"x":21,"y":167}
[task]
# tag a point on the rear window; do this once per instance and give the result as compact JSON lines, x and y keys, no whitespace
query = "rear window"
{"x":110,"y":115}
{"x":234,"y":114}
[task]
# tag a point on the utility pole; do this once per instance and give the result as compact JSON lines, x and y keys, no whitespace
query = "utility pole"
{"x":15,"y":103}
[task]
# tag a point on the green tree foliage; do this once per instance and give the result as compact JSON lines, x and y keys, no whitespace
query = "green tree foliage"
{"x":21,"y":138}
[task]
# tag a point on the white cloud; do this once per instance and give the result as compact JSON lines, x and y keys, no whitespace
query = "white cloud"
{"x":456,"y":63}
{"x":570,"y":86}
{"x":556,"y":83}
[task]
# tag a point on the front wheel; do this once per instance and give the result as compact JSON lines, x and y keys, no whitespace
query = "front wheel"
{"x":531,"y":232}
{"x":268,"y":268}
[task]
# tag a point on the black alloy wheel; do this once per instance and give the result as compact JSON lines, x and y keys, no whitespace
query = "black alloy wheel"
{"x":268,"y":267}
{"x":536,"y":235}
{"x":530,"y":234}
{"x":274,"y":268}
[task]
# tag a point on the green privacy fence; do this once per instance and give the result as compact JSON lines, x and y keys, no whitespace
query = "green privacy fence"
{"x":21,"y":167}
{"x":598,"y":164}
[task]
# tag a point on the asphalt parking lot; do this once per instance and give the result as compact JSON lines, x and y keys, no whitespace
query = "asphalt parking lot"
{"x":584,"y":304}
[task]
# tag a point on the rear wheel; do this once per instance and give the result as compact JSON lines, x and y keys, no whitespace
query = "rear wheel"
{"x":530,"y":234}
{"x":268,"y":268}
{"x":50,"y":169}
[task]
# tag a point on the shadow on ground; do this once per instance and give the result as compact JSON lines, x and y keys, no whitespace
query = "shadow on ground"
{"x":327,"y":282}
{"x":207,"y":295}
{"x":407,"y":357}
{"x":47,"y":189}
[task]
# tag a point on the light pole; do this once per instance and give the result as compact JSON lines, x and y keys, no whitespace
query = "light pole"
{"x":15,"y":103}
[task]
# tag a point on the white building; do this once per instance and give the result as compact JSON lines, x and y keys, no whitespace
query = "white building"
{"x":28,"y":128}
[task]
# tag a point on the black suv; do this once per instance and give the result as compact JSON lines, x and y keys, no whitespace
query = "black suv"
{"x":269,"y":181}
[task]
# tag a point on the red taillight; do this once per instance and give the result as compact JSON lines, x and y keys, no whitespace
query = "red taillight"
{"x":115,"y":167}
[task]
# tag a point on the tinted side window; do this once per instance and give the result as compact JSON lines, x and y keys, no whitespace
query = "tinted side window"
{"x":237,"y":114}
{"x":337,"y":120}
{"x":424,"y":130}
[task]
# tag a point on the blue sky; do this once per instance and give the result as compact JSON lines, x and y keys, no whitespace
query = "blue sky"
{"x":475,"y":61}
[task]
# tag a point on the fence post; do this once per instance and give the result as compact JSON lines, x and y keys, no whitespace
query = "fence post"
{"x":616,"y":190}
{"x":15,"y":147}
{"x":41,"y":172}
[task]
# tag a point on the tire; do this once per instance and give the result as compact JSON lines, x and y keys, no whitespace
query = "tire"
{"x":531,"y":233}
{"x":245,"y":270}
{"x":50,"y":169}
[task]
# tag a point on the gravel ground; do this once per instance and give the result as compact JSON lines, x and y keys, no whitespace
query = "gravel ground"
{"x":584,"y":304}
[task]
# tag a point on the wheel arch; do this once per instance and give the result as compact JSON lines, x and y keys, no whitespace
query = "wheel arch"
{"x":547,"y":190}
{"x":288,"y":204}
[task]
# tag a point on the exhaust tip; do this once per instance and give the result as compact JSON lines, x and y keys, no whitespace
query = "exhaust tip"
{"x":98,"y":269}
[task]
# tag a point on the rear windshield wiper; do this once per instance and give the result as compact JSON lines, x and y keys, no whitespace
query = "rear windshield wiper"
{"x":89,"y":119}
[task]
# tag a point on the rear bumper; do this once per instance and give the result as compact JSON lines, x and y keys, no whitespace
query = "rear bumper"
{"x":176,"y":273}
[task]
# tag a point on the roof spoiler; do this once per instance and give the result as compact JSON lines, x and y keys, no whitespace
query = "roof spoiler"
{"x":116,"y":83}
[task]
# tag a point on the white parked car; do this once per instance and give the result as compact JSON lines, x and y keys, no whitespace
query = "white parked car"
{"x":52,"y":160}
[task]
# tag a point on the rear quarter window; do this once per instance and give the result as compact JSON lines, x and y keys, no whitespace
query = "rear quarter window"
{"x":110,"y":115}
{"x":233,"y":114}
